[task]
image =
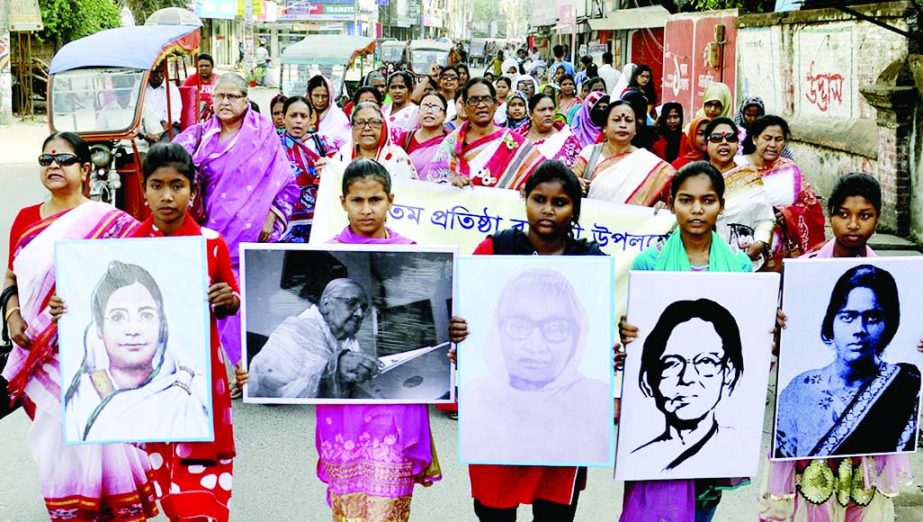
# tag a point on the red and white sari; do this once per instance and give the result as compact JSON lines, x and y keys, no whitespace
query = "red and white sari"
{"x":79,"y":482}
{"x":635,"y":178}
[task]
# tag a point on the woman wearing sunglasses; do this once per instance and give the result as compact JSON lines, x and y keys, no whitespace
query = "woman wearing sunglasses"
{"x":90,"y":480}
{"x":747,"y":221}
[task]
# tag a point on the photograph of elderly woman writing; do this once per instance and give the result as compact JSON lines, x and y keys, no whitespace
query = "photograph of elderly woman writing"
{"x":859,"y":403}
{"x":133,"y":384}
{"x":536,"y":405}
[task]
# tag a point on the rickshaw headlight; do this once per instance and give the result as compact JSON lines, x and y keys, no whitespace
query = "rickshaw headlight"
{"x":100,"y":156}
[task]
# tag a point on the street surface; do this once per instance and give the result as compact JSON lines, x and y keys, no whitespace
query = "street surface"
{"x":274,"y":478}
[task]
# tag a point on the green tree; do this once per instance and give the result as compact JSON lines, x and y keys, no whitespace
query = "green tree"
{"x":67,"y":20}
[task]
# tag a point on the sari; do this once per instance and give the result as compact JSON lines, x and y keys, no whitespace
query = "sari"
{"x":687,"y":500}
{"x":634,"y":178}
{"x":401,"y":122}
{"x":372,"y":456}
{"x":748,"y":215}
{"x":79,"y":482}
{"x":303,"y":154}
{"x":421,"y":153}
{"x":333,"y":124}
{"x":242,"y":180}
{"x":862,"y":489}
{"x":584,"y":128}
{"x":393,"y":158}
{"x":799,"y":214}
{"x":563,"y":145}
{"x":185,"y":465}
{"x":503,"y":159}
{"x":564,"y":106}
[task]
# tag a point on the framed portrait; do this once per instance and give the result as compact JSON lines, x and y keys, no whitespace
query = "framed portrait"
{"x":849,"y":369}
{"x":695,"y":379}
{"x":135,"y":340}
{"x":335,"y":324}
{"x":535,"y":373}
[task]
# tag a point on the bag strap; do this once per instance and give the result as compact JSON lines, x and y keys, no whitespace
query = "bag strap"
{"x":321,"y":150}
{"x":5,"y":296}
{"x":594,"y":159}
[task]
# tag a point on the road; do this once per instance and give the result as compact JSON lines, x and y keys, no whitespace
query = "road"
{"x":274,"y":477}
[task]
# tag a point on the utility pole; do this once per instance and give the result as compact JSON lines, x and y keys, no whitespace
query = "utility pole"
{"x":6,"y":73}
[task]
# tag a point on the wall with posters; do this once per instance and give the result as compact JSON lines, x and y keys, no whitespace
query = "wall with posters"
{"x":686,"y":73}
{"x":838,"y":80}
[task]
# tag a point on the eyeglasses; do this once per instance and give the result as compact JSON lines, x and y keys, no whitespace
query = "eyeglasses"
{"x":448,"y":77}
{"x":219,"y":97}
{"x":718,"y":137}
{"x":64,"y":160}
{"x":705,"y":365}
{"x":372,"y":124}
{"x":431,"y":107}
{"x":554,"y":330}
{"x":478,"y":100}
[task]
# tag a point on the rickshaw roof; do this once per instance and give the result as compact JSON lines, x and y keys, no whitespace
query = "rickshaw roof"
{"x":327,"y":50}
{"x":138,"y":47}
{"x":419,"y":45}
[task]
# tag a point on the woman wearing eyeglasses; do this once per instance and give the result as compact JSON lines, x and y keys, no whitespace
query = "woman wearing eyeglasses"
{"x":94,"y":480}
{"x":445,"y":81}
{"x":747,"y":221}
{"x":421,"y":145}
{"x":371,"y":140}
{"x":480,"y":152}
{"x":244,"y":177}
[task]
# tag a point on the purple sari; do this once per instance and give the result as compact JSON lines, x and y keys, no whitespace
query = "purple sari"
{"x":371,"y":456}
{"x":421,"y":153}
{"x":243,"y":179}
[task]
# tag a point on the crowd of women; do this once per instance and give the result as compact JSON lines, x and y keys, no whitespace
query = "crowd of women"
{"x":740,"y":200}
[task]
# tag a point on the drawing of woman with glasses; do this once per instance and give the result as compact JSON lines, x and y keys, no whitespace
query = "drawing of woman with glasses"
{"x":133,"y":385}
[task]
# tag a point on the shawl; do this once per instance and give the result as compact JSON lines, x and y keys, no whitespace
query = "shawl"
{"x":333,"y":123}
{"x":503,"y":159}
{"x":717,"y":92}
{"x":584,"y":128}
{"x":524,"y":78}
{"x":673,"y":257}
{"x":509,"y":63}
{"x":624,"y":80}
{"x":513,"y":123}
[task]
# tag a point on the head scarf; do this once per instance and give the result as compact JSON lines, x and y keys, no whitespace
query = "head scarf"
{"x":505,"y":67}
{"x":693,"y":154}
{"x":622,"y":84}
{"x":383,"y":140}
{"x":517,"y":123}
{"x":526,"y":78}
{"x":750,"y":101}
{"x":717,"y":92}
{"x":673,"y":138}
{"x":332,"y":123}
{"x":584,"y":128}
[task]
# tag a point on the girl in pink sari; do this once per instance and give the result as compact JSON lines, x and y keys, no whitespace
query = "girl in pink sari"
{"x":421,"y":144}
{"x":244,"y":177}
{"x":79,"y":482}
{"x":863,"y":487}
{"x":371,"y":456}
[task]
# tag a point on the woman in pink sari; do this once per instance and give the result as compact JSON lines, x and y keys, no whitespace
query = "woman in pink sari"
{"x":245,"y":179}
{"x":551,"y":137}
{"x":402,"y":112}
{"x":79,"y":482}
{"x":421,"y":144}
{"x":372,"y":456}
{"x":332,"y":122}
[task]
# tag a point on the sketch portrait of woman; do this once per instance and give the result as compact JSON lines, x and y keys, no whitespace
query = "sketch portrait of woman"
{"x":535,"y":405}
{"x":859,"y":404}
{"x":130,"y":384}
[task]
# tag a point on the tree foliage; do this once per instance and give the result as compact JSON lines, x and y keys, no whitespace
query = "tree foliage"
{"x":67,"y":20}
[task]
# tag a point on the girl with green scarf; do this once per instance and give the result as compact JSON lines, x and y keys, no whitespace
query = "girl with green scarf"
{"x":697,"y":198}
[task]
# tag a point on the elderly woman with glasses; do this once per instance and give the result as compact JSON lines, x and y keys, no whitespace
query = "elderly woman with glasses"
{"x":371,"y":140}
{"x":481,"y":153}
{"x":244,"y":177}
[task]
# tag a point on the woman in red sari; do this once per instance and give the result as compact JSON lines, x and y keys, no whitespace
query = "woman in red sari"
{"x":79,"y":482}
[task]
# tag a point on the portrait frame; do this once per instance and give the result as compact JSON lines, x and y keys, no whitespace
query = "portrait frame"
{"x":409,"y":291}
{"x":806,"y":356}
{"x":577,"y":285}
{"x":179,"y":385}
{"x":678,"y":414}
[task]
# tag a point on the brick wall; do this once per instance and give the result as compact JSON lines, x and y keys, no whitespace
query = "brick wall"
{"x":815,"y":68}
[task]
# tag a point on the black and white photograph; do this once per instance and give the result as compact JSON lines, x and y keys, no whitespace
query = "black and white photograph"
{"x":135,"y":340}
{"x":694,"y":388}
{"x":535,"y":373}
{"x":334,"y":324}
{"x":849,"y":370}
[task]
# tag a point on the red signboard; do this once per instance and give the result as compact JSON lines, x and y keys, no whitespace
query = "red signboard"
{"x":686,"y":72}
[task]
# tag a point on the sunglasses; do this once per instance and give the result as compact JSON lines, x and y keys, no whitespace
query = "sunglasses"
{"x":718,"y":137}
{"x":64,"y":160}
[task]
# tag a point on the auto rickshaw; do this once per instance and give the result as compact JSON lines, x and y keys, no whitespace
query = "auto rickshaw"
{"x":392,"y":56}
{"x":96,"y":90}
{"x":342,"y":59}
{"x":425,"y":52}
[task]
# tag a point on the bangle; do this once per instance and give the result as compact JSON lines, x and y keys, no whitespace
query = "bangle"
{"x":9,"y":313}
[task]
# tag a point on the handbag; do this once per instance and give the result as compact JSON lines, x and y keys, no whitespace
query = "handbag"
{"x":6,"y":346}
